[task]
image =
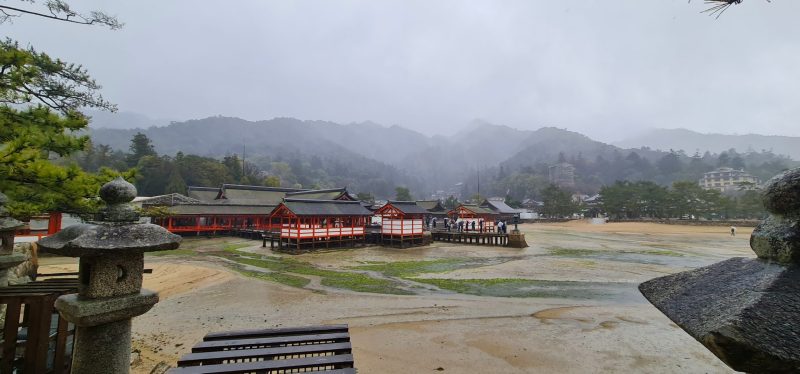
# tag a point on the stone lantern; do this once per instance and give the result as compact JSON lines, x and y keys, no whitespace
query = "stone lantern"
{"x":8,"y":226}
{"x":110,"y":294}
{"x":746,"y":311}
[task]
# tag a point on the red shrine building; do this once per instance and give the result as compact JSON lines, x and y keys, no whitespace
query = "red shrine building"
{"x":476,"y":214}
{"x":402,"y":223}
{"x":230,"y":207}
{"x":307,"y":224}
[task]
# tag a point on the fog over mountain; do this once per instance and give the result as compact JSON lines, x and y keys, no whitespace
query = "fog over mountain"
{"x":692,"y":141}
{"x":393,"y":155}
{"x":122,"y":120}
{"x":601,"y":68}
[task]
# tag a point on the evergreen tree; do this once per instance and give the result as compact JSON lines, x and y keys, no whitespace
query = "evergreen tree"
{"x":39,"y":118}
{"x":140,"y":147}
{"x":557,"y":202}
{"x":234,"y":166}
{"x":670,"y":164}
{"x":272,"y":181}
{"x":402,"y":194}
{"x":175,"y":183}
{"x":451,"y":202}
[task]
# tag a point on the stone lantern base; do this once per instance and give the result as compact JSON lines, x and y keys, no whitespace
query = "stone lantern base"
{"x":7,"y":262}
{"x":743,"y":310}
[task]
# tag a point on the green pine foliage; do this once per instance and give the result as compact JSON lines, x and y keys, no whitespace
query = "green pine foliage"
{"x":39,"y":121}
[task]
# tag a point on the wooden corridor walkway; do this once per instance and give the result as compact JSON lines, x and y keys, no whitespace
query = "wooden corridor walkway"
{"x":471,"y":237}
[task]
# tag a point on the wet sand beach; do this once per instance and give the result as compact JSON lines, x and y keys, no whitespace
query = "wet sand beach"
{"x":566,"y":304}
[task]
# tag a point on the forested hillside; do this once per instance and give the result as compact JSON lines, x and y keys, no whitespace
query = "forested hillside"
{"x":483,"y":159}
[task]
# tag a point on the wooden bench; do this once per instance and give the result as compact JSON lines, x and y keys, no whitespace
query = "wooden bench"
{"x":35,"y":338}
{"x":318,"y":349}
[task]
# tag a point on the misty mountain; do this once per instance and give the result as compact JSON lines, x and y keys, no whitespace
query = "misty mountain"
{"x":388,"y":156}
{"x":547,"y":144}
{"x":690,"y":141}
{"x":215,"y":136}
{"x":122,"y":120}
{"x":355,"y":155}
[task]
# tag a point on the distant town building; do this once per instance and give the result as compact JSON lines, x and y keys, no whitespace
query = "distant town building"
{"x":532,"y":205}
{"x":562,"y":175}
{"x":454,"y":191}
{"x":728,"y":179}
{"x":499,"y":206}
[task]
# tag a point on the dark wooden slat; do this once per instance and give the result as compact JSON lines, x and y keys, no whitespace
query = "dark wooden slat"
{"x":43,"y":284}
{"x":61,"y":346}
{"x":74,"y":273}
{"x":39,"y":289}
{"x":47,"y":281}
{"x":10,"y":336}
{"x":22,"y":299}
{"x":265,"y":333}
{"x":338,"y":362}
{"x":36,"y":286}
{"x":264,"y":353}
{"x":34,"y":311}
{"x":275,"y":341}
{"x":43,"y":340}
{"x":336,"y":371}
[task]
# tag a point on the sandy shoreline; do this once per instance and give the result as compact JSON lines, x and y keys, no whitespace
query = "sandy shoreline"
{"x":457,"y":332}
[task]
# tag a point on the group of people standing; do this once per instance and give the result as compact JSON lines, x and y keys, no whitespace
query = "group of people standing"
{"x":462,"y":225}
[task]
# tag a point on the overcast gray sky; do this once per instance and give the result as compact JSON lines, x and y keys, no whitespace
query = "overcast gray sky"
{"x":605,"y":68}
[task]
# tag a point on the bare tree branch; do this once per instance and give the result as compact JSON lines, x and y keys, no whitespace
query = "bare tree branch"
{"x":59,"y":10}
{"x":720,"y":6}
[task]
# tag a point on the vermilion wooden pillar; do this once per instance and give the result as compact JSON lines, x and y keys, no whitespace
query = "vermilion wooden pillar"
{"x":54,"y":223}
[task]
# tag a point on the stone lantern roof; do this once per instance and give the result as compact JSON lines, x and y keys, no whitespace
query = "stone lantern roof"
{"x":7,"y":223}
{"x":117,"y":231}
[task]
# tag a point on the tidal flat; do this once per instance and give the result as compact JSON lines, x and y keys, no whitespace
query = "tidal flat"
{"x":567,"y":304}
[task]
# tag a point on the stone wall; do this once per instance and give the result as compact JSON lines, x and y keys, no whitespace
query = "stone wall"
{"x":26,"y":271}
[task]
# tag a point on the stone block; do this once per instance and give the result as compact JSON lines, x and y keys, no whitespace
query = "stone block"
{"x":105,"y":276}
{"x":745,"y":311}
{"x":777,"y":239}
{"x":94,"y":312}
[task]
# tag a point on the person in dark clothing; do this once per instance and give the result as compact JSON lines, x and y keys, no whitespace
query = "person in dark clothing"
{"x":480,"y":223}
{"x":473,"y":225}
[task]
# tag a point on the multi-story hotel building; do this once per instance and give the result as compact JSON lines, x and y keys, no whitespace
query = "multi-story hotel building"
{"x":728,"y":179}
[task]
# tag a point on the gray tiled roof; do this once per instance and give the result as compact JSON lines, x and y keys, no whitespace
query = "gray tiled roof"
{"x":477,"y":210}
{"x":328,"y":194}
{"x":409,"y":207}
{"x":204,"y":194}
{"x":499,"y":207}
{"x":303,"y":207}
{"x":236,"y":194}
{"x":169,"y":200}
{"x":431,"y":205}
{"x":220,"y":209}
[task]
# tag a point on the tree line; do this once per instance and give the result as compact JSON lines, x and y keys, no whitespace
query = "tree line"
{"x":684,"y":199}
{"x":528,"y":182}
